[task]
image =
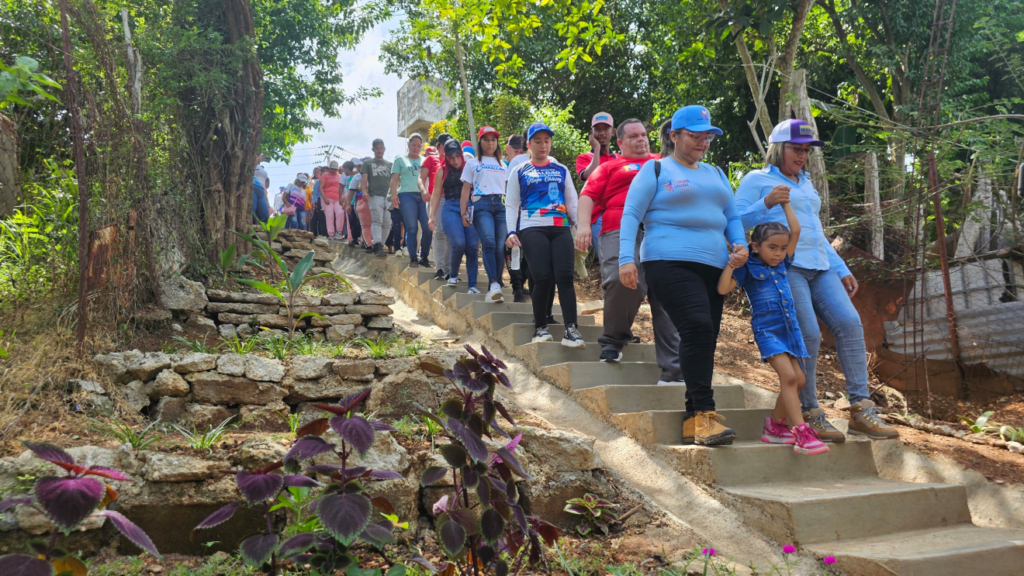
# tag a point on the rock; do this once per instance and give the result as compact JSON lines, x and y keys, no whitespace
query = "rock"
{"x":216,"y":388}
{"x":243,"y":330}
{"x":85,"y":386}
{"x":296,"y":235}
{"x":135,"y":395}
{"x":167,"y":383}
{"x":340,"y":299}
{"x":115,"y":366}
{"x":329,"y":387}
{"x":34,"y":522}
{"x":561,"y":450}
{"x":177,"y":327}
{"x":90,"y":396}
{"x":181,"y":294}
{"x":242,"y":307}
{"x":381,"y":322}
{"x":170,"y":410}
{"x":1015,"y":447}
{"x":830,"y":395}
{"x":302,"y":299}
{"x":842,"y":403}
{"x":385,"y":453}
{"x":318,"y":255}
{"x":163,"y":467}
{"x":307,"y":412}
{"x":227,"y":331}
{"x":149,"y":365}
{"x":309,"y":367}
{"x":339,"y":320}
{"x":375,"y":298}
{"x":395,"y":365}
{"x":204,"y":416}
{"x":321,"y":310}
{"x":231,"y":364}
{"x":890,"y":398}
{"x":361,"y":331}
{"x":264,"y":418}
{"x":194,"y":362}
{"x":337,"y":334}
{"x":236,"y":319}
{"x":121,"y":458}
{"x":370,"y":310}
{"x":275,"y":321}
{"x":197,"y":323}
{"x":546,"y":496}
{"x":985,"y":439}
{"x":395,"y":394}
{"x":359,"y":370}
{"x":257,"y":453}
{"x":321,"y":242}
{"x":402,"y":494}
{"x":263,"y":369}
{"x":153,"y":319}
{"x":225,"y":296}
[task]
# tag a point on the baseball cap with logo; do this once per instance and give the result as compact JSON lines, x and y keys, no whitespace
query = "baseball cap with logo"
{"x":487,"y":130}
{"x":301,"y":177}
{"x":357,"y":161}
{"x":794,"y":131}
{"x":333,"y":165}
{"x":452,"y":147}
{"x":538,"y":127}
{"x":602,"y":118}
{"x":695,"y":119}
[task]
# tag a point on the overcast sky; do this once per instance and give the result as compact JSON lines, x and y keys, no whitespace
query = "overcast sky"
{"x":357,"y":124}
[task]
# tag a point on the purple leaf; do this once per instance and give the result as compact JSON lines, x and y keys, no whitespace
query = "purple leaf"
{"x":15,"y":501}
{"x":325,"y":469}
{"x":107,"y":473}
{"x":419,"y":559}
{"x":357,"y":432}
{"x":501,"y":568}
{"x":471,"y":350}
{"x":308,"y":447}
{"x":344,"y":516}
{"x":349,"y":402}
{"x":452,"y":537}
{"x":512,"y":461}
{"x":486,"y":554}
{"x":473,"y":384}
{"x":296,"y":544}
{"x":483,"y":492}
{"x":467,"y":518}
{"x":68,"y":501}
{"x":470,"y":478}
{"x":50,"y":453}
{"x":300,"y":481}
{"x":491,"y":525}
{"x":23,"y":565}
{"x":255,"y":550}
{"x":471,"y":442}
{"x":256,"y":488}
{"x":520,"y":516}
{"x":385,"y":475}
{"x":499,"y":486}
{"x":379,"y":426}
{"x":504,"y":413}
{"x":504,"y":380}
{"x":454,"y":455}
{"x":432,"y":475}
{"x":131,"y":531}
{"x":377,"y":535}
{"x":427,"y":413}
{"x":221,"y":516}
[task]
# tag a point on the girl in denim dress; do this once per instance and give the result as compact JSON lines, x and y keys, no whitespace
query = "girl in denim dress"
{"x":776,"y":331}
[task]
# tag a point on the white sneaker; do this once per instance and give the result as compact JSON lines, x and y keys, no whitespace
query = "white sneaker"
{"x":472,"y":290}
{"x":494,"y":295}
{"x":453,"y":281}
{"x":541,"y":335}
{"x":572,"y":338}
{"x":672,"y":383}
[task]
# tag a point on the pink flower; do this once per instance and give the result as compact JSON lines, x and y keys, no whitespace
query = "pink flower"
{"x":829,"y":560}
{"x":708,"y":552}
{"x":788,"y":549}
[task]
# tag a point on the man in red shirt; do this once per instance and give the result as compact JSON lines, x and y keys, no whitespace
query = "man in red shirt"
{"x":602,"y":128}
{"x":607,"y":188}
{"x":428,"y":168}
{"x":330,"y":193}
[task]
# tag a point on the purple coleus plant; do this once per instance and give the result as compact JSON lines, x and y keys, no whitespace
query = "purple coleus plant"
{"x":345,"y":512}
{"x":67,"y":501}
{"x":475,"y":532}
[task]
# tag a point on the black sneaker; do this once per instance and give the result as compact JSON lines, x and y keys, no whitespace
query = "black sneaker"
{"x":609,"y":355}
{"x":354,"y":243}
{"x":440,"y":275}
{"x":572,"y":338}
{"x":541,"y":335}
{"x":635,"y":340}
{"x":414,"y":264}
{"x":378,"y":250}
{"x":425,"y":263}
{"x":551,"y":320}
{"x":517,"y":296}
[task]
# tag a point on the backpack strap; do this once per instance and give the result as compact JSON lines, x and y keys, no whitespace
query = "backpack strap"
{"x":657,"y":170}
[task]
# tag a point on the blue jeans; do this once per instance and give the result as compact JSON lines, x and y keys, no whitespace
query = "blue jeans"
{"x":596,"y":229}
{"x":297,"y":220}
{"x":820,"y":294}
{"x":489,"y":221}
{"x":259,"y":203}
{"x":463,"y":240}
{"x":414,"y":210}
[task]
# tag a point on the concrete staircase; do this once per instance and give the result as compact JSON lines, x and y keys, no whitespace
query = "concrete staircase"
{"x":829,"y":504}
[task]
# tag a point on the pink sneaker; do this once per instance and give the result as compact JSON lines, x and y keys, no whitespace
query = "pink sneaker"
{"x":807,"y":441}
{"x":776,"y":432}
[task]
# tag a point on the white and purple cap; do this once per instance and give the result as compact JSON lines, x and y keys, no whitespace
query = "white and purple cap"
{"x":795,"y":132}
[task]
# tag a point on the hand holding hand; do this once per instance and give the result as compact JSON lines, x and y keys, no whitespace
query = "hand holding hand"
{"x":628,"y":275}
{"x":512,"y":241}
{"x":778,"y":195}
{"x":738,"y":256}
{"x":584,"y":237}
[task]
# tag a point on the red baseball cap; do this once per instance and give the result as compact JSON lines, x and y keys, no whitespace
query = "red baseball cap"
{"x":602,"y":118}
{"x":487,"y":130}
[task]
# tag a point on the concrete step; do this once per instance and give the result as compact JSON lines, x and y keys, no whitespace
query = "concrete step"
{"x":461,"y":299}
{"x":667,"y":425}
{"x":541,"y":354}
{"x":497,"y":319}
{"x":579,"y":375}
{"x":958,"y":550}
{"x":756,"y":463}
{"x":518,"y":334}
{"x":812,"y":512}
{"x":481,"y":308}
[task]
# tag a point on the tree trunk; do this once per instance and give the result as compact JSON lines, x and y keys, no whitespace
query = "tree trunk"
{"x":873,"y":205}
{"x":465,"y":89}
{"x":10,"y":185}
{"x":748,"y":71}
{"x":788,"y":56}
{"x":801,"y":108}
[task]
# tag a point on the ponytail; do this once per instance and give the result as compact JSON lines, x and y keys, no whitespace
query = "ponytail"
{"x":667,"y":146}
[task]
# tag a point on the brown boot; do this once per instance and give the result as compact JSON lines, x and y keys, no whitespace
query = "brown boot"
{"x":865,"y":421}
{"x":689,"y":428}
{"x":709,"y":430}
{"x":815,"y":418}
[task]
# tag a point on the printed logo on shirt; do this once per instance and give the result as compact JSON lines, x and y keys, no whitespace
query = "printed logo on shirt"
{"x":380,"y":169}
{"x":677,"y":185}
{"x":631,"y":167}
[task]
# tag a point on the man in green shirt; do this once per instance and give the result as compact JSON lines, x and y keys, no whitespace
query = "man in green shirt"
{"x":374,"y":186}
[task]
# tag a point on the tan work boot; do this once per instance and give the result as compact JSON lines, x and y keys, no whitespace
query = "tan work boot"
{"x":865,"y":421}
{"x":709,"y":430}
{"x":815,"y":418}
{"x":689,"y":429}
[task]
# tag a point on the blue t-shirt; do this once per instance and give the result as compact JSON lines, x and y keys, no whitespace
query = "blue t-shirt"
{"x":688,"y":215}
{"x":546,"y":195}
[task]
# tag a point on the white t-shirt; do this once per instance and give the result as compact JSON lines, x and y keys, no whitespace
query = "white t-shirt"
{"x":487,"y":177}
{"x":516,"y":161}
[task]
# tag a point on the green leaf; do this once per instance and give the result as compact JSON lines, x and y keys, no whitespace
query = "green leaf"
{"x":263,"y":287}
{"x":299,"y":273}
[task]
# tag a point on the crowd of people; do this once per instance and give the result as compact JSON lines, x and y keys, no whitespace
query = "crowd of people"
{"x":665,"y":227}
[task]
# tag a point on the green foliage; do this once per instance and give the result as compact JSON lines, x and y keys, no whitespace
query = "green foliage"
{"x":301,"y":520}
{"x":197,"y":345}
{"x":205,"y":440}
{"x":414,"y":347}
{"x":379,"y":348}
{"x":276,"y":345}
{"x":23,"y":77}
{"x":227,"y":261}
{"x":242,"y":347}
{"x":125,"y":433}
{"x":406,"y":426}
{"x":293,"y":421}
{"x":977,"y":426}
{"x":594,"y":512}
{"x":309,"y":345}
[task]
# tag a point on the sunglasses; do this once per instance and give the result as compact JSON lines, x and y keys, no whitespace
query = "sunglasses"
{"x":700,"y":136}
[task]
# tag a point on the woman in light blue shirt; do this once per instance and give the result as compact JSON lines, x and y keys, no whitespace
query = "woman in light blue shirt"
{"x":821,"y":282}
{"x":691,"y":229}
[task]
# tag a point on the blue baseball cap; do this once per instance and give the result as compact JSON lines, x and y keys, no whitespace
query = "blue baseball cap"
{"x":538,"y":127}
{"x":695,"y":119}
{"x":795,"y":131}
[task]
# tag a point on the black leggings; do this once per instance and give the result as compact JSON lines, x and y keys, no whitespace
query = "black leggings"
{"x":550,"y":252}
{"x":688,"y":291}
